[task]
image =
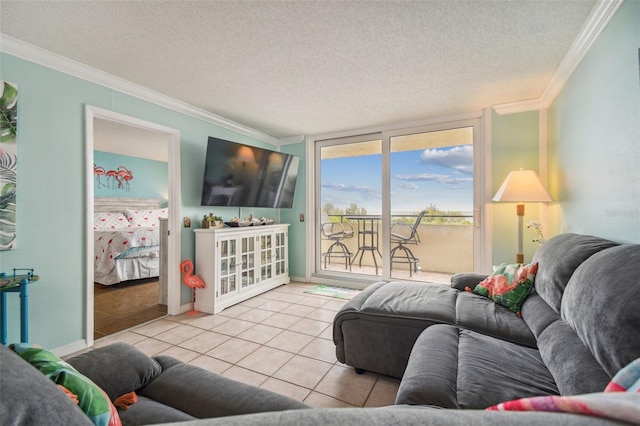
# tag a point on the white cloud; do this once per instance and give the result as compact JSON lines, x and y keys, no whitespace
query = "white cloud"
{"x":459,"y":158}
{"x":410,"y":186}
{"x":431,"y":177}
{"x":359,"y":189}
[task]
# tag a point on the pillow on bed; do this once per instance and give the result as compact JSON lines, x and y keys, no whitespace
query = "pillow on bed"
{"x":146,"y":218}
{"x":109,"y":220}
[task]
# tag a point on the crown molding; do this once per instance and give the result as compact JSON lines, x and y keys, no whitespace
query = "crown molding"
{"x":31,"y":53}
{"x":597,"y":21}
{"x":291,"y":140}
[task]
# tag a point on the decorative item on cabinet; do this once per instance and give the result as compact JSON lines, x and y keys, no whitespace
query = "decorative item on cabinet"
{"x":191,"y":281}
{"x":211,"y":221}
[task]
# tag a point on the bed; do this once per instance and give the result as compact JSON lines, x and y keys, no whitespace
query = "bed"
{"x":126,"y":238}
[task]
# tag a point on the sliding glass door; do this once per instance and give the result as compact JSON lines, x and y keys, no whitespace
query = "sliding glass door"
{"x":349,"y":195}
{"x":431,"y":204}
{"x":397,"y":204}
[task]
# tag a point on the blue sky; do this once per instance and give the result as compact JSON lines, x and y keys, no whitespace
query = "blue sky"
{"x":440,"y":176}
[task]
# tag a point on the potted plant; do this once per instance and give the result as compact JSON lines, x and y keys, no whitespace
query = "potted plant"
{"x":211,"y":221}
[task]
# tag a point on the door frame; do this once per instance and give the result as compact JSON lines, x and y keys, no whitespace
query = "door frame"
{"x":173,"y":239}
{"x":482,"y":190}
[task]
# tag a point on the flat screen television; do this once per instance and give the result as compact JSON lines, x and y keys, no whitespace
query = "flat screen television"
{"x":247,"y":176}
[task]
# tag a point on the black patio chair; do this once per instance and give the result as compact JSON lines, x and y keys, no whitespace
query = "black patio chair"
{"x":403,"y":234}
{"x":336,"y":232}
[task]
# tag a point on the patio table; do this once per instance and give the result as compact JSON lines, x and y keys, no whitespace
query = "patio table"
{"x":367,"y":237}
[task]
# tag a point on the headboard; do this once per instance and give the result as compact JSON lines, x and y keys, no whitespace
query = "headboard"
{"x":120,"y":204}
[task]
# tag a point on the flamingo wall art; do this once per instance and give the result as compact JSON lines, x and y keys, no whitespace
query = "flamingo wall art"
{"x":115,"y":179}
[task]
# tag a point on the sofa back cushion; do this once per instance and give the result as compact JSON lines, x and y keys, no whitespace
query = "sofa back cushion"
{"x":558,"y":258}
{"x":118,"y":368}
{"x":30,"y":398}
{"x":601,"y":304}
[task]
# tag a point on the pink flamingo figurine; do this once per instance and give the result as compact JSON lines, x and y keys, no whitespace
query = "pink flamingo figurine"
{"x":190,"y":280}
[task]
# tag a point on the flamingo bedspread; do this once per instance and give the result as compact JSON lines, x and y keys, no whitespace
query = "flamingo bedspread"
{"x":114,"y":244}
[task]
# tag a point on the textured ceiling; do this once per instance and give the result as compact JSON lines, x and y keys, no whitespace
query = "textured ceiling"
{"x":313,"y":67}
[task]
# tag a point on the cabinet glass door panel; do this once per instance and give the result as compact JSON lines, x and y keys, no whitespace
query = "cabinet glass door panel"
{"x":247,"y":258}
{"x":280,"y":256}
{"x":228,"y":271}
{"x":266,"y":254}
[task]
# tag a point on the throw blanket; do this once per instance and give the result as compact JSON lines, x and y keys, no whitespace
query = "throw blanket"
{"x":619,"y":401}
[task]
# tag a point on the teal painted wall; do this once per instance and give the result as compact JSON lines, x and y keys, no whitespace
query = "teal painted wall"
{"x":594,"y":137}
{"x":51,"y":188}
{"x":297,"y":237}
{"x":150,"y":177}
{"x":514,"y":146}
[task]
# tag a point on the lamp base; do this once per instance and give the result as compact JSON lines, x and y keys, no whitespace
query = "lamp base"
{"x":520,"y":213}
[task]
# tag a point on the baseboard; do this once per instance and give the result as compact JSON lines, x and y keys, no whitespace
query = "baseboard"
{"x":70,"y":348}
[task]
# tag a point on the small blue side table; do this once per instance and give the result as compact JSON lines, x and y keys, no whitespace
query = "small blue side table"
{"x":16,"y":284}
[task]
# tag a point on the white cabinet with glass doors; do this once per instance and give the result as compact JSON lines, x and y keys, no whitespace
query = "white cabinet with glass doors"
{"x":238,"y":263}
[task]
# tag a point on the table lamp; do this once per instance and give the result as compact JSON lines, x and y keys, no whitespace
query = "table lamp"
{"x":521,"y":186}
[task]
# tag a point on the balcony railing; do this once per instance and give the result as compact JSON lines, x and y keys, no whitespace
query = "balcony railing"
{"x":444,"y":247}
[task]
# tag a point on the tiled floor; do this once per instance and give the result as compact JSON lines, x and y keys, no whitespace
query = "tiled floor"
{"x":280,"y":340}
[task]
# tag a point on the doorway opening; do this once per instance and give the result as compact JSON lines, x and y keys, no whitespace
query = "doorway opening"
{"x":142,"y":272}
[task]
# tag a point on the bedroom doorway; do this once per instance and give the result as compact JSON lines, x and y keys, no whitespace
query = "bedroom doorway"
{"x":134,"y":138}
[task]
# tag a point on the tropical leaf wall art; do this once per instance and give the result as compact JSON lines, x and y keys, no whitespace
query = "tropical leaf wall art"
{"x":8,"y":163}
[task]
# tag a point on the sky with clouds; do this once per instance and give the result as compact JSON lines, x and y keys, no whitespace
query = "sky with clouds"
{"x":439,"y":176}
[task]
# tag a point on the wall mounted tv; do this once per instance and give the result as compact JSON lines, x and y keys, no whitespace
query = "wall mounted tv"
{"x":247,"y":176}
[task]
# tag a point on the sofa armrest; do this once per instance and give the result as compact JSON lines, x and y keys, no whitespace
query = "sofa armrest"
{"x":461,"y":280}
{"x":118,"y":368}
{"x":202,"y":394}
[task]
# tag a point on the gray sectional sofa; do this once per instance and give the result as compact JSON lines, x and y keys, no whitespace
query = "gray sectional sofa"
{"x":456,"y":349}
{"x":171,"y":393}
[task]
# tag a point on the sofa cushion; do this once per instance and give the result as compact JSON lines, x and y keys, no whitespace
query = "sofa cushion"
{"x":480,"y":314}
{"x":404,"y":416}
{"x":569,"y":361}
{"x":537,"y":314}
{"x":28,"y":397}
{"x":509,"y":285}
{"x":558,"y":258}
{"x":92,"y":400}
{"x":457,"y":368}
{"x":147,"y":411}
{"x":413,"y":300}
{"x":128,"y":368}
{"x":201,"y":393}
{"x":462,"y":280}
{"x":600,"y":304}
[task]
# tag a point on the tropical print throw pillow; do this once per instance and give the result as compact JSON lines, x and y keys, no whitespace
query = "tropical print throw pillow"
{"x":509,"y":285}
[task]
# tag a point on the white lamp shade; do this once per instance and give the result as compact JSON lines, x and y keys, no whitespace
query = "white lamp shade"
{"x":522,"y":186}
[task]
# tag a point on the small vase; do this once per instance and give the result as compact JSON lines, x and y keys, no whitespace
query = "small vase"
{"x":205,"y":224}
